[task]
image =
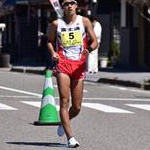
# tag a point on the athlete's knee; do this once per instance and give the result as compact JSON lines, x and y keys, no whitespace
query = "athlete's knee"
{"x":64,"y":104}
{"x":76,"y":109}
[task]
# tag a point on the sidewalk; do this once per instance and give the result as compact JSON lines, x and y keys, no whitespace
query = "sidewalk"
{"x":130,"y":78}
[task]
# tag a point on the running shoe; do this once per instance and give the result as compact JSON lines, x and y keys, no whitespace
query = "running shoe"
{"x":60,"y":130}
{"x":72,"y":143}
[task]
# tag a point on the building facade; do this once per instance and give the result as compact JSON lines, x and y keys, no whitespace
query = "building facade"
{"x":122,"y":26}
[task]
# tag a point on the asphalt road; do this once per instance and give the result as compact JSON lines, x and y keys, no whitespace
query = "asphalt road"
{"x":112,"y":118}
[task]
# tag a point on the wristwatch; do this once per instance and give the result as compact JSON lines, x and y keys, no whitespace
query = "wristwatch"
{"x":90,"y":49}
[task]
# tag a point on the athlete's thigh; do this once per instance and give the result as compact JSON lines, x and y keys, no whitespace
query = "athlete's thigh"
{"x":63,"y":82}
{"x":77,"y":91}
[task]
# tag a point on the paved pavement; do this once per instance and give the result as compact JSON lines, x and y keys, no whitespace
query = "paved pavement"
{"x":124,"y":77}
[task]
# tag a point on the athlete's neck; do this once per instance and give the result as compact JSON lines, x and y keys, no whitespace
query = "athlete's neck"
{"x":70,"y":19}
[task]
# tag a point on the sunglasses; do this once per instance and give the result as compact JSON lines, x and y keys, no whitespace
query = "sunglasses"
{"x":66,"y":4}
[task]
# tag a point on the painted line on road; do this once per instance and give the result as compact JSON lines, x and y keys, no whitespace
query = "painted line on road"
{"x":115,"y":99}
{"x":140,"y":106}
{"x":20,"y":91}
{"x":85,"y":91}
{"x":37,"y":104}
{"x":17,"y":96}
{"x":85,"y":98}
{"x":6,"y":107}
{"x":105,"y":108}
{"x":130,"y":89}
{"x":96,"y":106}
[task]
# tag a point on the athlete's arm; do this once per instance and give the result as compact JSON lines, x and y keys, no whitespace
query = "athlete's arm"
{"x":51,"y":40}
{"x":88,"y":25}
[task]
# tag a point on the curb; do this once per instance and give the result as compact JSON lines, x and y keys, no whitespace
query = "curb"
{"x":5,"y":69}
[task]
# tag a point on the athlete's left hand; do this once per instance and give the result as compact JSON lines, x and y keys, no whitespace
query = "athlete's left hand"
{"x":85,"y":52}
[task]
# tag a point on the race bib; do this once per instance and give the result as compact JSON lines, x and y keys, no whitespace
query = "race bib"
{"x":71,"y":38}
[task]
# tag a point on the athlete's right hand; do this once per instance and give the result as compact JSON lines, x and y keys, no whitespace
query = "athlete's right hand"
{"x":55,"y":56}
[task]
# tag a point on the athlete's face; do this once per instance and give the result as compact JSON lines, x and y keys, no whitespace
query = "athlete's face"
{"x":69,"y":6}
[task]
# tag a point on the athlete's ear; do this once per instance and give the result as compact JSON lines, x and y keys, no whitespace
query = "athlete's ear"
{"x":76,"y":6}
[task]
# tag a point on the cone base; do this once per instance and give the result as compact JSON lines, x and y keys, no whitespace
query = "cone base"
{"x":38,"y":123}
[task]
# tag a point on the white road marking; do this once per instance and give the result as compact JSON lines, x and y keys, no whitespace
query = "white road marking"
{"x":20,"y":91}
{"x":90,"y":83}
{"x":88,"y":98}
{"x":37,"y":104}
{"x":139,"y":91}
{"x":118,"y":87}
{"x":85,"y":98}
{"x":17,"y":96}
{"x":140,"y":106}
{"x":130,"y":89}
{"x":105,"y":108}
{"x":115,"y":99}
{"x":85,"y":91}
{"x":6,"y":107}
{"x":96,"y":106}
{"x":25,"y":92}
{"x":122,"y":88}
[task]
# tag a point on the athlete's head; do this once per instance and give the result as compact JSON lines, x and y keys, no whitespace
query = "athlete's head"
{"x":69,"y":6}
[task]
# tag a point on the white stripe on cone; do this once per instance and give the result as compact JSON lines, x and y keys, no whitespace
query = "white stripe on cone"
{"x":48,"y":100}
{"x":48,"y":83}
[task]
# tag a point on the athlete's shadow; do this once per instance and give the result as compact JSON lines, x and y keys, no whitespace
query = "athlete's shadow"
{"x":38,"y":144}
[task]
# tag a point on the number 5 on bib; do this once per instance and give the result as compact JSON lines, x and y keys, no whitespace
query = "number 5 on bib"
{"x":72,"y":38}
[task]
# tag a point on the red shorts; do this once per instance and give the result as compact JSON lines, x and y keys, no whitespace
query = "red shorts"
{"x":74,"y":69}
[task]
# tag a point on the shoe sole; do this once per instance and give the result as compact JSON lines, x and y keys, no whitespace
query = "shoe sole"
{"x":75,"y":146}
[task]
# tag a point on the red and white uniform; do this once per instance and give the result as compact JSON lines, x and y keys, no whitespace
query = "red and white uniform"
{"x":71,"y":40}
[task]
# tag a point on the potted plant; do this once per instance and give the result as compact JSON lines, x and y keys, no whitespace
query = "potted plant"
{"x":114,"y":53}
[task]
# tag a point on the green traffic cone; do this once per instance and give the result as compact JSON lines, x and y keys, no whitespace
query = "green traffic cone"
{"x":48,"y":112}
